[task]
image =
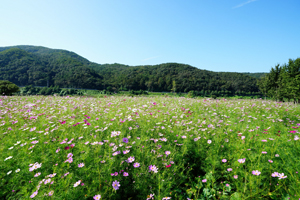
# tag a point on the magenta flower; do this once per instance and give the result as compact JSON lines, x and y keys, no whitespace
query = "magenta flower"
{"x":235,"y":176}
{"x":116,"y":173}
{"x":264,"y":152}
{"x":270,"y":161}
{"x":125,"y":140}
{"x":72,"y":145}
{"x":204,"y":180}
{"x":167,"y":152}
{"x":241,"y":160}
{"x":229,"y":169}
{"x":224,"y":160}
{"x":168,"y":165}
{"x":125,"y":174}
{"x":67,"y":147}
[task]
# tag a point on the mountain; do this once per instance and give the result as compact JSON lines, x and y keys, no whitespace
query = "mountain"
{"x":41,"y":66}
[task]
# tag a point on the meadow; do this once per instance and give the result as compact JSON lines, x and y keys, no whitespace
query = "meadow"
{"x":148,"y":148}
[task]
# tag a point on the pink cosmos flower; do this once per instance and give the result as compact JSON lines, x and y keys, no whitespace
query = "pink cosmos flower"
{"x":81,"y":165}
{"x":136,"y":165}
{"x":235,"y":176}
{"x":256,"y":172}
{"x":125,"y":174}
{"x":224,"y":160}
{"x":97,"y":197}
{"x":204,"y":180}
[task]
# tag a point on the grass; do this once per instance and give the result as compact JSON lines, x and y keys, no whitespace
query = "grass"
{"x":76,"y":148}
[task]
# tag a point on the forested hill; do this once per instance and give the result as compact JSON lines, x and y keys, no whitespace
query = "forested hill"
{"x":40,"y":66}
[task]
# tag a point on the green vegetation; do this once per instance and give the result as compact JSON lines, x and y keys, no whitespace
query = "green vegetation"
{"x":138,"y":147}
{"x":283,"y":82}
{"x":40,"y":66}
{"x":8,"y":88}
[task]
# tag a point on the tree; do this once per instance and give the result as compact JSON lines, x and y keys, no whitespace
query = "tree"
{"x":8,"y":88}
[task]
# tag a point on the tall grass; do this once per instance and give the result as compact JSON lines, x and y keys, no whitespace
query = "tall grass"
{"x":148,"y":148}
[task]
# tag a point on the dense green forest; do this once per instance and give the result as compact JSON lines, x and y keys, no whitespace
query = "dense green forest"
{"x":282,"y":81}
{"x":40,"y":66}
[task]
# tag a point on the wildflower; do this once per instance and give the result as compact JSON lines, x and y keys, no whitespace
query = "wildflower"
{"x":168,"y":166}
{"x":166,"y":198}
{"x":153,"y":168}
{"x":235,"y":176}
{"x":275,"y":174}
{"x":97,"y":197}
{"x":50,"y":193}
{"x":224,"y":160}
{"x":34,"y":194}
{"x":125,"y":174}
{"x":204,"y":180}
{"x":67,"y":147}
{"x":126,"y":151}
{"x":227,"y":185}
{"x":229,"y":169}
{"x":116,"y":173}
{"x":47,"y":181}
{"x":172,"y":162}
{"x":81,"y":165}
{"x":209,"y":141}
{"x":270,"y":161}
{"x":136,"y":165}
{"x":125,"y":140}
{"x":281,"y":176}
{"x":17,"y":170}
{"x":77,"y":183}
{"x":241,"y":160}
{"x":256,"y":172}
{"x":296,"y":137}
{"x":116,"y":185}
{"x":276,"y":155}
{"x":167,"y":153}
{"x":9,"y":172}
{"x":130,"y":159}
{"x":69,"y":155}
{"x":264,"y":140}
{"x":57,"y":150}
{"x":37,"y":174}
{"x":72,"y":145}
{"x":264,"y":152}
{"x":8,"y":158}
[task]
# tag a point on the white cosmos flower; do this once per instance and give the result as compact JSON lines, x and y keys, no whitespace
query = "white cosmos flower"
{"x":17,"y":170}
{"x":8,"y":158}
{"x":9,"y":172}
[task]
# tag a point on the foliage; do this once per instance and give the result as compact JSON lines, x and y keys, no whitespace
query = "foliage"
{"x":67,"y":147}
{"x":8,"y":88}
{"x":282,"y":81}
{"x":40,"y":66}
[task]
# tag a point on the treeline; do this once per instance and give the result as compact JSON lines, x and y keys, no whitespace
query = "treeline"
{"x":40,"y":66}
{"x":283,"y":82}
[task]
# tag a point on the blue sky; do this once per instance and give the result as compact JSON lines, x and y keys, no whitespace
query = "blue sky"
{"x":216,"y":35}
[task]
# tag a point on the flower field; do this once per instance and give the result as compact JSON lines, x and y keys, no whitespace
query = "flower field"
{"x":148,"y":148}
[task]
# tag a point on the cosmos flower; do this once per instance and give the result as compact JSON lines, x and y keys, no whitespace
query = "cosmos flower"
{"x":116,"y":185}
{"x":256,"y":172}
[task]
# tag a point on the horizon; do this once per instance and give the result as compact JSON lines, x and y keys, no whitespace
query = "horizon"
{"x":233,"y":36}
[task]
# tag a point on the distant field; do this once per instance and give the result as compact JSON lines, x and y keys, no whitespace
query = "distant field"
{"x":148,"y":148}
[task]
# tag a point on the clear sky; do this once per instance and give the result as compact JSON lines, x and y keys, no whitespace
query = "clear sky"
{"x":216,"y":35}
